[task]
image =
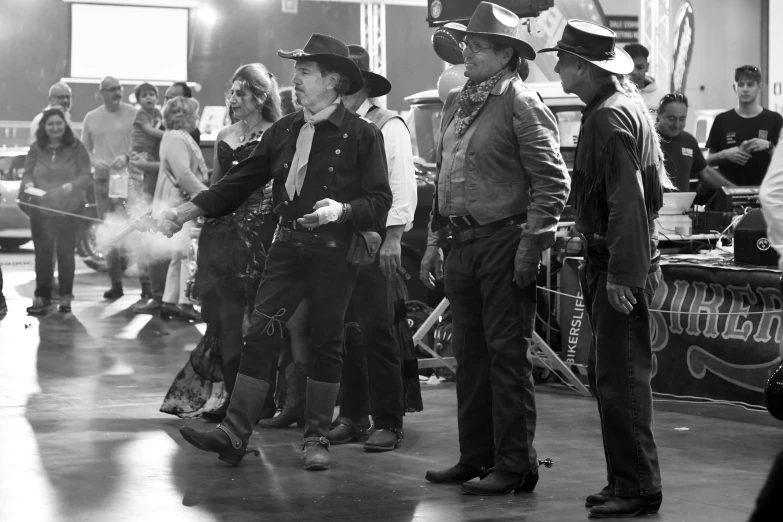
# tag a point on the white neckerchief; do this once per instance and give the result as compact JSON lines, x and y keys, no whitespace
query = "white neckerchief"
{"x":298,"y":171}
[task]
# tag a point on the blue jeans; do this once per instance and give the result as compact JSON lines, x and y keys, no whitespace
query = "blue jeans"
{"x":493,"y":324}
{"x":619,"y":370}
{"x":293,"y":272}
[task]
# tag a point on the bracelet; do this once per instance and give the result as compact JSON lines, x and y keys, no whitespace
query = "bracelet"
{"x":343,"y":215}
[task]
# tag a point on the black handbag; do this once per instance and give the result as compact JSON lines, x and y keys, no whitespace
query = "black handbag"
{"x":364,"y":246}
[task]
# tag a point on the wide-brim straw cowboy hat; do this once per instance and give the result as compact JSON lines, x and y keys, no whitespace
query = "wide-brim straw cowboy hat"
{"x":331,"y":52}
{"x":594,"y":43}
{"x":379,"y":85}
{"x":497,"y":24}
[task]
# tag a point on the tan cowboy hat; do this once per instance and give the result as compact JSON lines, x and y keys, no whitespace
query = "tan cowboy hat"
{"x":379,"y":85}
{"x":496,"y":24}
{"x":331,"y":52}
{"x":594,"y":43}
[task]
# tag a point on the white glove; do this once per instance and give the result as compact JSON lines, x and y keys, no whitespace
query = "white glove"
{"x":326,"y":211}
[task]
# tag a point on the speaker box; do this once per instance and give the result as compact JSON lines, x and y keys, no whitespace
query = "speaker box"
{"x":440,"y":12}
{"x":751,"y":245}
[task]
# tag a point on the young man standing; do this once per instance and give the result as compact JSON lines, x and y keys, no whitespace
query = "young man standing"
{"x":646,"y":84}
{"x":330,"y":182}
{"x":106,"y":133}
{"x":742,"y":139}
{"x":618,"y":183}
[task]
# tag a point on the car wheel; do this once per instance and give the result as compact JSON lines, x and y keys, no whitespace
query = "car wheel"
{"x":12,"y":245}
{"x":86,"y":247}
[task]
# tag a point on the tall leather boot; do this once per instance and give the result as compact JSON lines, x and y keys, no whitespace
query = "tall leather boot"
{"x":229,"y":440}
{"x":319,"y":408}
{"x":294,"y":408}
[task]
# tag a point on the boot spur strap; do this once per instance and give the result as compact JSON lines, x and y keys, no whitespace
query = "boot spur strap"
{"x":235,"y":441}
{"x":547,"y":463}
{"x":323,"y":441}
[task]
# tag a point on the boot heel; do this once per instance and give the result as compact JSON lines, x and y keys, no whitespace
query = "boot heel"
{"x":653,"y":508}
{"x":300,"y":423}
{"x":236,"y":458}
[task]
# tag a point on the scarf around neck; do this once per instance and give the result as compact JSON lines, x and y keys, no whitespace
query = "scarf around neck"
{"x":304,"y":142}
{"x":472,"y":98}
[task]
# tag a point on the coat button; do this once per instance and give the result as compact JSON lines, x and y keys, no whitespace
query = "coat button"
{"x":337,"y":151}
{"x":326,"y":188}
{"x":345,"y":136}
{"x":286,"y":203}
{"x":285,"y":165}
{"x":331,"y":169}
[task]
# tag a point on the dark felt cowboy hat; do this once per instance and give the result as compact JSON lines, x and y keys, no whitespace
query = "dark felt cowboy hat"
{"x":379,"y":86}
{"x":496,"y":24}
{"x":331,"y":52}
{"x":594,"y":43}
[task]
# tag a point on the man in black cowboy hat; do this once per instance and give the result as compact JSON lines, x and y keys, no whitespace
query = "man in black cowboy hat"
{"x":618,"y":183}
{"x":373,"y":378}
{"x":501,"y":186}
{"x":330,"y":181}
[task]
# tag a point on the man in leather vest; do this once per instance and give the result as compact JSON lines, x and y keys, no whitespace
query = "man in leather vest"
{"x":330,"y":182}
{"x":501,"y":186}
{"x":618,"y":183}
{"x":372,"y":378}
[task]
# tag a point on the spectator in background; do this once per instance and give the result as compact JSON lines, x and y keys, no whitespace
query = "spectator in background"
{"x":184,"y":90}
{"x":183,"y":174}
{"x":106,"y":133}
{"x":59,"y":96}
{"x":681,"y":152}
{"x":288,"y":101}
{"x":742,"y":139}
{"x":3,"y":304}
{"x":59,"y":164}
{"x":145,"y":140}
{"x":647,"y":85}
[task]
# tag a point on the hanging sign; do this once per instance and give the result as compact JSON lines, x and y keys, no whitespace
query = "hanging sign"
{"x":683,"y":47}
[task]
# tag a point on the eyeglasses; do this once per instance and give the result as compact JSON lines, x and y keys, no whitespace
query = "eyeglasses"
{"x":474,"y":48}
{"x":674,"y":97}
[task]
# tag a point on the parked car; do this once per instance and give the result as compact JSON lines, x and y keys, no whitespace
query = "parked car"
{"x":14,"y":224}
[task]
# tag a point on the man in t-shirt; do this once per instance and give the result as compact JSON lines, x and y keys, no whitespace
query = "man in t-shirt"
{"x":59,"y":95}
{"x":742,"y":139}
{"x":682,"y":155}
{"x":106,"y":133}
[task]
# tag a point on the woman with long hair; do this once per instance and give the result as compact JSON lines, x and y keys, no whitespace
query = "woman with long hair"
{"x":58,"y":164}
{"x":231,"y":250}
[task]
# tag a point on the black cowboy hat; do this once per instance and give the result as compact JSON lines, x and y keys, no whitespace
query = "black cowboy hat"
{"x":331,"y":52}
{"x":496,"y":24}
{"x":379,"y":86}
{"x":594,"y":43}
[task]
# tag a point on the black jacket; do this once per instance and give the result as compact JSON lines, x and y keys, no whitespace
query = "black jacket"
{"x":347,"y":163}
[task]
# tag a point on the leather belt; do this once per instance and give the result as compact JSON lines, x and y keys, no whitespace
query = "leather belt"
{"x":465,"y":228}
{"x":286,"y":235}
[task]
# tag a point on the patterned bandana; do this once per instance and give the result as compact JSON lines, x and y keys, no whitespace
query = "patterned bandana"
{"x":472,"y":98}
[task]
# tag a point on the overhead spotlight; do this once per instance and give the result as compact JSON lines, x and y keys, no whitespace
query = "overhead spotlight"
{"x":207,"y":15}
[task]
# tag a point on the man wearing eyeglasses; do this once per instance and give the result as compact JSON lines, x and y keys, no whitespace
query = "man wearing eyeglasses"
{"x":501,"y":186}
{"x":742,"y":139}
{"x":59,"y":96}
{"x":106,"y":133}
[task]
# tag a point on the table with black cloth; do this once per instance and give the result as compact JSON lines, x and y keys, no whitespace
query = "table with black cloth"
{"x":716,"y":327}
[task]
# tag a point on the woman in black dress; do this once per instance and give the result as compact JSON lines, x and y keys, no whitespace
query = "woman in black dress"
{"x":232,"y":251}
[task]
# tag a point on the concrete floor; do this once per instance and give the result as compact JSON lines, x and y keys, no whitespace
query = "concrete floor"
{"x":81,"y":439}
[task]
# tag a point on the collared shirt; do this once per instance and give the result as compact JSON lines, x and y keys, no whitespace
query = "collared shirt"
{"x":347,"y":164}
{"x":402,"y":175}
{"x":512,"y":166}
{"x":451,"y":181}
{"x":771,"y":195}
{"x":37,"y":121}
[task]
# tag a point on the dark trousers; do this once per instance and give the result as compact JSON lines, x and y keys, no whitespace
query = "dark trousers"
{"x":493,"y":324}
{"x":157,"y":270}
{"x":619,"y":370}
{"x":224,"y":307}
{"x":53,"y":233}
{"x":372,"y":375}
{"x":292,"y":273}
{"x":770,"y":499}
{"x":106,"y":206}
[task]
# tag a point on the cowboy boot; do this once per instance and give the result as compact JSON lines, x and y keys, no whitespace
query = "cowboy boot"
{"x":293,"y":411}
{"x":319,"y":409}
{"x":229,"y":440}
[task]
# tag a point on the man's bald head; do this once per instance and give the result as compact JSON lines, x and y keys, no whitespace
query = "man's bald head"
{"x":60,"y":94}
{"x":111,"y":92}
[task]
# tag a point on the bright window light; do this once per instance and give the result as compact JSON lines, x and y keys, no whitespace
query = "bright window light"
{"x":207,"y":15}
{"x":139,"y":43}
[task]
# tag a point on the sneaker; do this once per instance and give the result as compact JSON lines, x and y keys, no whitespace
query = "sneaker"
{"x":115,"y":292}
{"x":3,"y":305}
{"x":41,"y":306}
{"x":65,"y":303}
